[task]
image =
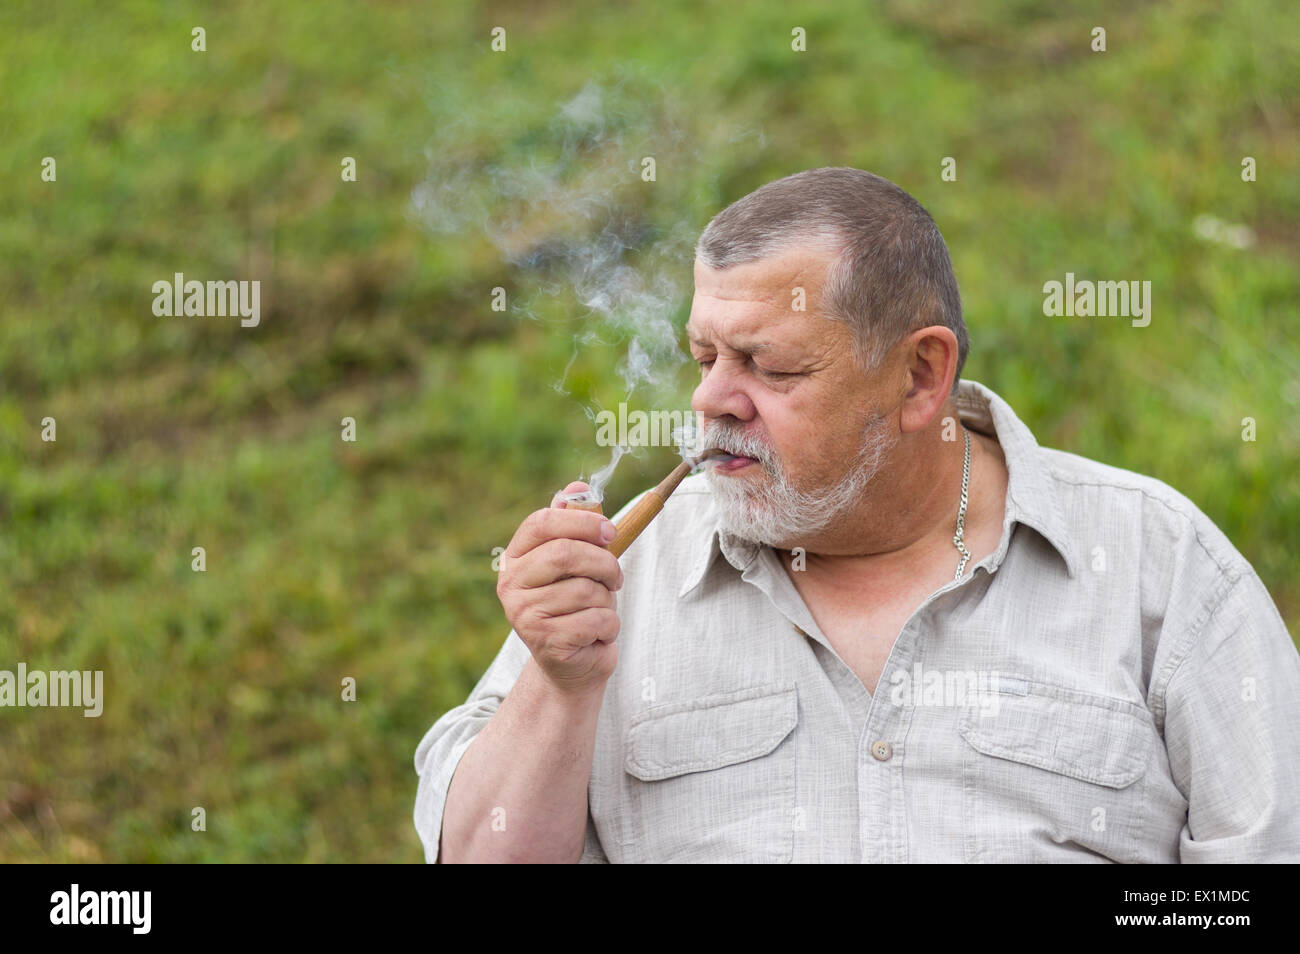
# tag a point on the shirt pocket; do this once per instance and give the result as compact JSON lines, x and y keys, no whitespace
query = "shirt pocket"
{"x":1055,"y":774}
{"x":713,"y":780}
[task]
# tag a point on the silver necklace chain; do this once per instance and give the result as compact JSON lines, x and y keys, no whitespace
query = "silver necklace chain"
{"x":961,"y":512}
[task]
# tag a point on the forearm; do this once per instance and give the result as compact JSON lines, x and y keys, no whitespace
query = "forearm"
{"x":520,"y":791}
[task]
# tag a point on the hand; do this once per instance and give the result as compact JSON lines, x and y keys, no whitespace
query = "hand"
{"x":557,"y":585}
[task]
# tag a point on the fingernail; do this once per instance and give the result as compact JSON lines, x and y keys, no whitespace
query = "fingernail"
{"x":607,"y":531}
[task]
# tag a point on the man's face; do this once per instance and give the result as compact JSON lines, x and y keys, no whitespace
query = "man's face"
{"x":781,"y":387}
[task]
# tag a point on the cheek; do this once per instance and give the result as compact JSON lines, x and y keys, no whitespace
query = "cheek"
{"x":795,"y":438}
{"x":816,"y":443}
{"x":797,"y":421}
{"x":780,"y":428}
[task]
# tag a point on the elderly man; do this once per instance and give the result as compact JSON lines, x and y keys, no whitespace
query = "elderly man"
{"x":892,"y":629}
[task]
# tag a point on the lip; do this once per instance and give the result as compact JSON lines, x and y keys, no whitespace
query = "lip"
{"x":736,"y":463}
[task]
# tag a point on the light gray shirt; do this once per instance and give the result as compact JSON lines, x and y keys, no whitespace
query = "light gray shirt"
{"x":1113,"y":683}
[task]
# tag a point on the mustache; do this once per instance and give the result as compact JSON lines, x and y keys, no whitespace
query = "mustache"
{"x":735,"y":440}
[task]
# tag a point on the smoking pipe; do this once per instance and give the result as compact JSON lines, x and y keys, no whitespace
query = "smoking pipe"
{"x":647,"y":508}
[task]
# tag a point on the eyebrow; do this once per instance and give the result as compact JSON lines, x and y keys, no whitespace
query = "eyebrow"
{"x":757,"y":348}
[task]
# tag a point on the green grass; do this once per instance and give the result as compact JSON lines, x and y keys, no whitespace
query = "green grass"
{"x":373,"y":559}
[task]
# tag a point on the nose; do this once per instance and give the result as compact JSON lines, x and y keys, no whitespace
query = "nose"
{"x":721,"y":393}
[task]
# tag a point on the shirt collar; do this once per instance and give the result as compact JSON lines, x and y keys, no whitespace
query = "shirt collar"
{"x":1031,"y":497}
{"x":1031,"y":491}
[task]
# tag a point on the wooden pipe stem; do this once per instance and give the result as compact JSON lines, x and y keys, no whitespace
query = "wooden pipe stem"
{"x":647,"y":508}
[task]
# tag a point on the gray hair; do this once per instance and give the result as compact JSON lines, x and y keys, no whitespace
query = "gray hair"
{"x":891,"y":275}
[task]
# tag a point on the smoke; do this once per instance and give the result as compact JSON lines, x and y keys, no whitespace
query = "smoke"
{"x":601,"y":477}
{"x":593,"y":202}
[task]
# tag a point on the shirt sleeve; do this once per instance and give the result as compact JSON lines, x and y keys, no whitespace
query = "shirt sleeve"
{"x":1232,"y":731}
{"x":440,"y":751}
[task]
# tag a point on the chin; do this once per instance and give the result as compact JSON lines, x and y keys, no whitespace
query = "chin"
{"x":749,"y":522}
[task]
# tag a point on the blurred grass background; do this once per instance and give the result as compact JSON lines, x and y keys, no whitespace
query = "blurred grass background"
{"x":373,"y":560}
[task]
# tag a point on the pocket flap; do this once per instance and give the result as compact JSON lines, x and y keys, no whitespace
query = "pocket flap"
{"x":710,"y":732}
{"x":1092,"y":738}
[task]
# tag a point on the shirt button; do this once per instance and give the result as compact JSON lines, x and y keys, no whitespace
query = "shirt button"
{"x":882,"y":751}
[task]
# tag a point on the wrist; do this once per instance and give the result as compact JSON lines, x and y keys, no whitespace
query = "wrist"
{"x":573,"y":700}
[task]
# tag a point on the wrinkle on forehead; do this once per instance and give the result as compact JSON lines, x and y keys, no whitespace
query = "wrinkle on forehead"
{"x":758,"y":298}
{"x":766,"y":278}
{"x":751,"y":298}
{"x":767,"y":282}
{"x":703,"y":330}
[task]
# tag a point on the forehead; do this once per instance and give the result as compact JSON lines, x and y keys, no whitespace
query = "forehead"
{"x":757,"y":296}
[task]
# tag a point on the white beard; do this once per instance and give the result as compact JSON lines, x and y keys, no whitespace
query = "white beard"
{"x":773,"y":511}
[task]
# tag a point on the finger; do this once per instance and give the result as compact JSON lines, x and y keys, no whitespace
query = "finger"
{"x":585,"y":627}
{"x":561,"y":559}
{"x":554,"y":523}
{"x":571,"y":596}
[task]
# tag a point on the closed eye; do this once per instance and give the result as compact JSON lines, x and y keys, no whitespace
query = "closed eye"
{"x":706,"y":363}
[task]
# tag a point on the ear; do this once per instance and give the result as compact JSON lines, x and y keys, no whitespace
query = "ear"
{"x":929,"y":357}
